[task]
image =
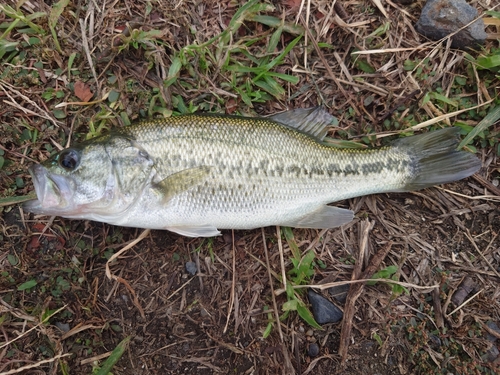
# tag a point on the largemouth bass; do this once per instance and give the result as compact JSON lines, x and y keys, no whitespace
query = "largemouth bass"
{"x":195,"y":174}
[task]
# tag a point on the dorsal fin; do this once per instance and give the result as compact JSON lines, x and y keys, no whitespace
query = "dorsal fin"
{"x":312,"y":121}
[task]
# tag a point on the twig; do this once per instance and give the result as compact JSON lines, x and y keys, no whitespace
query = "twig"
{"x":111,"y":276}
{"x":130,"y":245}
{"x":79,"y":328}
{"x":42,"y":113}
{"x":438,"y":308}
{"x":488,"y":185}
{"x":38,"y":364}
{"x":268,"y":266}
{"x":85,"y":45}
{"x":483,"y":197}
{"x":354,"y":292}
{"x":282,"y":258}
{"x":179,"y":289}
{"x":360,"y":281}
{"x":464,"y":303}
{"x":95,"y":358}
{"x":468,"y":235}
{"x":431,"y":121}
{"x":329,"y":70}
{"x":233,"y":284}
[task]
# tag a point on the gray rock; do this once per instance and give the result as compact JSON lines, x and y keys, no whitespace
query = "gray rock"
{"x":339,"y":292}
{"x":435,"y":341}
{"x":191,"y":268}
{"x":323,"y":310}
{"x":62,"y":326}
{"x":494,"y":327}
{"x":440,"y":18}
{"x":491,"y":354}
{"x":313,"y":350}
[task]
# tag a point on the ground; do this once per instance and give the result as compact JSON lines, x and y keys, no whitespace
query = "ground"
{"x":68,"y":298}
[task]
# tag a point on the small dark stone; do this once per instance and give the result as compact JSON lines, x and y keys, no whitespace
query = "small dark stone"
{"x":367,"y":346}
{"x":466,"y":287}
{"x":313,"y":350}
{"x":392,"y":361}
{"x":323,"y":310}
{"x":491,"y":354}
{"x":494,"y":327}
{"x":435,"y":341}
{"x":440,"y":18}
{"x":62,"y":326}
{"x":339,"y":292}
{"x":191,"y":268}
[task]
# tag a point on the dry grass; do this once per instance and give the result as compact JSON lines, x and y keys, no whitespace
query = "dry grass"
{"x":371,"y":71}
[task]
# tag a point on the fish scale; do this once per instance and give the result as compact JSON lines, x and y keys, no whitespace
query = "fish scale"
{"x":243,"y":149}
{"x":195,"y":174}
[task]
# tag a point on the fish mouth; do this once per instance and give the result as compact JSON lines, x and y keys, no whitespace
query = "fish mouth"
{"x":53,"y":192}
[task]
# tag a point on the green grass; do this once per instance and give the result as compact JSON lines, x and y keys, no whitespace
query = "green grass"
{"x":300,"y":274}
{"x":248,"y":61}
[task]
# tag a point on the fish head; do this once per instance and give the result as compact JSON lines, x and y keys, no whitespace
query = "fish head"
{"x":97,"y":180}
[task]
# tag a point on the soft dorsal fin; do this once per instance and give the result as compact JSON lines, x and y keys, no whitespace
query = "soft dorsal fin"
{"x":312,"y":121}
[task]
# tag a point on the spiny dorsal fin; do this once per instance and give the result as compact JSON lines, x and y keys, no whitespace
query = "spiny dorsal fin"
{"x":312,"y":121}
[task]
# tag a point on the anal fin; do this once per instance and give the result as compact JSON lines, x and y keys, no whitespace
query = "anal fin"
{"x":323,"y":218}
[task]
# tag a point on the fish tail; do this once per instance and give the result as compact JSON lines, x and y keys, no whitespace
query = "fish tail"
{"x":436,"y":160}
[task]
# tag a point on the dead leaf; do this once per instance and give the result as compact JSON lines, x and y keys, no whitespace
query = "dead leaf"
{"x":380,"y":7}
{"x":82,"y":91}
{"x":231,"y":106}
{"x":293,"y":3}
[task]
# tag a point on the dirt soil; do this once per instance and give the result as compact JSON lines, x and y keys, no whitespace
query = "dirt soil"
{"x":64,"y":308}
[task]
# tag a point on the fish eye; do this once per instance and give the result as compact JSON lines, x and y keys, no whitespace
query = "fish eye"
{"x":69,"y":159}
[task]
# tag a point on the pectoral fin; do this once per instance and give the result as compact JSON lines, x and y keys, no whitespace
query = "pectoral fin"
{"x":195,"y":231}
{"x":182,"y":181}
{"x":323,"y":218}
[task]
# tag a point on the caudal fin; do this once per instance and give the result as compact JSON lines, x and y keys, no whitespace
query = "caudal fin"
{"x":436,"y":160}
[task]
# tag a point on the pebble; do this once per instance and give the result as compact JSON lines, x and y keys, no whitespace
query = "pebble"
{"x":494,"y":327}
{"x":435,"y":341}
{"x":62,"y":326}
{"x":339,"y":292}
{"x":323,"y":310}
{"x":466,"y":287}
{"x":313,"y":350}
{"x":440,"y":18}
{"x":491,"y":353}
{"x":204,"y":312}
{"x":191,"y":268}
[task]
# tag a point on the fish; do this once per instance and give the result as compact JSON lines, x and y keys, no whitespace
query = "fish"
{"x":196,"y":174}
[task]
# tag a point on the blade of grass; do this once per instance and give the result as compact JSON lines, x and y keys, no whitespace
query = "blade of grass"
{"x":305,"y":314}
{"x":490,"y":119}
{"x":55,"y":13}
{"x":114,"y":357}
{"x":20,"y":17}
{"x":276,"y":22}
{"x":10,"y":201}
{"x":291,"y":242}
